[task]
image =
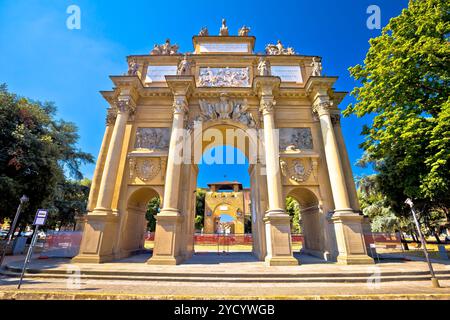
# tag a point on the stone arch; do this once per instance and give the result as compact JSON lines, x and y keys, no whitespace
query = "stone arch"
{"x":135,"y":222}
{"x":249,"y":147}
{"x":312,"y":220}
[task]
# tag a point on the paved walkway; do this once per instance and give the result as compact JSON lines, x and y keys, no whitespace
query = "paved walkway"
{"x":234,"y":263}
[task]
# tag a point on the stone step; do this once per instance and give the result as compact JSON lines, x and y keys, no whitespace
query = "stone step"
{"x":237,"y":278}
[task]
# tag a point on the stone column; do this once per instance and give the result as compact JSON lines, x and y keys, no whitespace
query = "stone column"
{"x":167,"y":249}
{"x":351,"y":188}
{"x":277,"y":221}
{"x":349,"y":233}
{"x":101,"y":225}
{"x":96,"y":179}
{"x":125,"y":106}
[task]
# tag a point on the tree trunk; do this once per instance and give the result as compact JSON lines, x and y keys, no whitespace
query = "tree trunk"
{"x":436,"y":235}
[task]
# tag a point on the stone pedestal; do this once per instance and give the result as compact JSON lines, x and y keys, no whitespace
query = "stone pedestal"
{"x":168,"y":229}
{"x":278,"y":240}
{"x":98,"y":238}
{"x":350,"y":238}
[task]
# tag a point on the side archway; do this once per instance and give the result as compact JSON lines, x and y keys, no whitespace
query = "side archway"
{"x":135,"y":222}
{"x":312,"y":223}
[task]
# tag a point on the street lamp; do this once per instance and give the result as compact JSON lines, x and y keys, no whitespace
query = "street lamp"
{"x":434,"y":280}
{"x":24,"y":199}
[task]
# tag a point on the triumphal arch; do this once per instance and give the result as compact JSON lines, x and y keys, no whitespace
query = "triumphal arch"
{"x":275,"y":106}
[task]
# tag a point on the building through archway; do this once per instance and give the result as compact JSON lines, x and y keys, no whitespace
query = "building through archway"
{"x":275,"y":107}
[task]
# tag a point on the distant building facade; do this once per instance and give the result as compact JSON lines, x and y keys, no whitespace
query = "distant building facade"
{"x":227,"y":207}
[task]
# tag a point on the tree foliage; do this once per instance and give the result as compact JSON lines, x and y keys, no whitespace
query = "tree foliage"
{"x":70,"y":200}
{"x":37,"y":151}
{"x":293,"y":209}
{"x":405,"y":82}
{"x":153,"y":208}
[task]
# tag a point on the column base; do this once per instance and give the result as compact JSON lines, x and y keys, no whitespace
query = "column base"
{"x":355,"y":259}
{"x":167,"y":261}
{"x":87,"y":258}
{"x":98,"y":237}
{"x":167,"y":249}
{"x":350,"y":238}
{"x":278,"y":239}
{"x":281,"y":261}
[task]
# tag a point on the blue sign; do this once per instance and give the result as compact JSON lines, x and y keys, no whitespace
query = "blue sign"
{"x":40,"y":218}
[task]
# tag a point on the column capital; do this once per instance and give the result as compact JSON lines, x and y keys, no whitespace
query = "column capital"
{"x":335,"y":119}
{"x":267,"y":104}
{"x":322,"y":105}
{"x":111,"y":115}
{"x":180,"y":104}
{"x":125,"y":104}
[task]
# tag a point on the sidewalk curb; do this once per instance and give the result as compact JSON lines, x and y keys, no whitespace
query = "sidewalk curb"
{"x":59,"y":295}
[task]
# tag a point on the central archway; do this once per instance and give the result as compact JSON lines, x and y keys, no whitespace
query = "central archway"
{"x":226,"y":144}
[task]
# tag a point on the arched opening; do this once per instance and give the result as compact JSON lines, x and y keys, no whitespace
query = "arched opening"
{"x":225,"y":182}
{"x":307,"y":220}
{"x":142,"y":206}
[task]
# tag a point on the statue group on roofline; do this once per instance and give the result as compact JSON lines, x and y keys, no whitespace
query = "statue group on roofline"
{"x":165,"y":49}
{"x":242,"y":32}
{"x":278,"y":49}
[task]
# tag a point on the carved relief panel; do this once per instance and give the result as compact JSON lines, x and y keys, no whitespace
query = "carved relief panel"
{"x":224,"y":77}
{"x":295,"y":139}
{"x":152,"y":139}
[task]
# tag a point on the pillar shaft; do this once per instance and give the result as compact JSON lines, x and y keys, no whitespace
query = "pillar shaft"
{"x":334,"y":164}
{"x":108,"y":182}
{"x":96,"y":179}
{"x":274,"y":187}
{"x":174,"y":160}
{"x":171,"y":224}
{"x":277,"y":221}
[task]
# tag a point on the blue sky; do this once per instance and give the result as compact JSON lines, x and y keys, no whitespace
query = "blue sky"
{"x":43,"y":60}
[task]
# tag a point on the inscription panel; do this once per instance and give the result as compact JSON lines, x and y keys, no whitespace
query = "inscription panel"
{"x":287,"y":73}
{"x":223,"y":47}
{"x":157,"y":73}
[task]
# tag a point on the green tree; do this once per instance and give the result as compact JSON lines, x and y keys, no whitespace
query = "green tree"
{"x":405,"y":82}
{"x":153,"y":208}
{"x":199,"y":208}
{"x":70,"y":200}
{"x":37,"y":151}
{"x":293,"y":209}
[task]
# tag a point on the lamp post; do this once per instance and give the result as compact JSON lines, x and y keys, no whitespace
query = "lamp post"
{"x":434,"y":280}
{"x":12,"y":228}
